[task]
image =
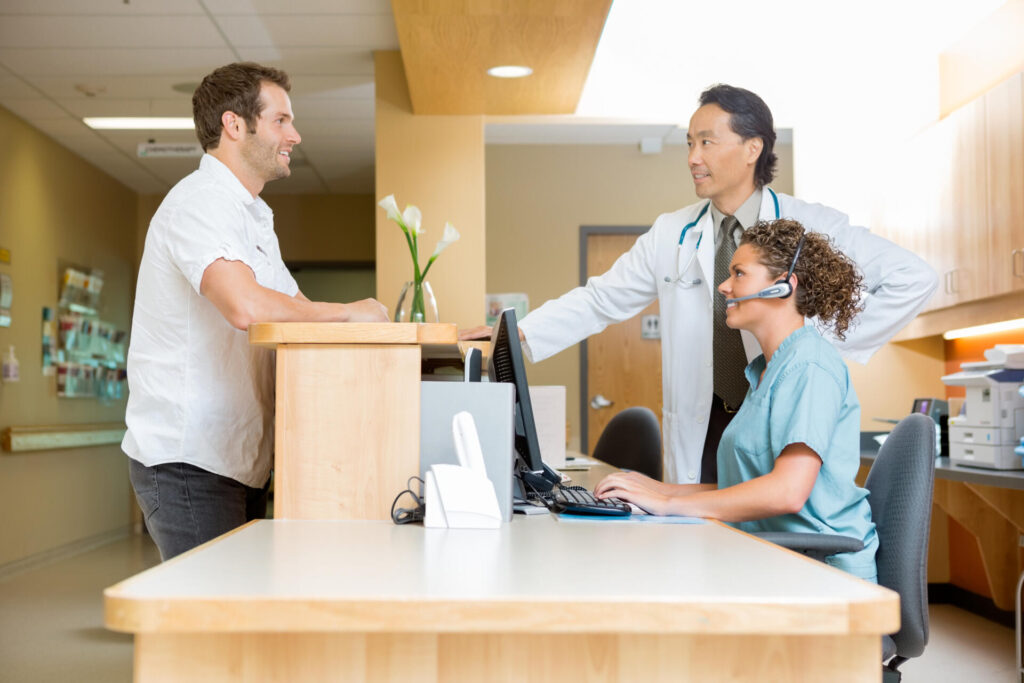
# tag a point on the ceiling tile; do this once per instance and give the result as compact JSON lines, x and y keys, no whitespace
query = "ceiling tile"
{"x":65,"y":126}
{"x":310,"y":128}
{"x":12,"y":87}
{"x":108,"y":32}
{"x":96,"y":106}
{"x":317,"y":108}
{"x":311,"y":30}
{"x":118,"y":87}
{"x":341,"y":87}
{"x":300,"y":6}
{"x":312,"y":60}
{"x":91,"y":7}
{"x":30,"y":62}
{"x":34,"y":110}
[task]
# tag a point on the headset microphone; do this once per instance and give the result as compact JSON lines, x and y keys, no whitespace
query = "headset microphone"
{"x":781,"y":289}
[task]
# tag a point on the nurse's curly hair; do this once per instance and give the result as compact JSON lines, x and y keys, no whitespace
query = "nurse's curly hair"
{"x":828,"y":283}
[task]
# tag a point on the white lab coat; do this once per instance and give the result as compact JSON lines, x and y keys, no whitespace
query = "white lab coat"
{"x":898,"y":284}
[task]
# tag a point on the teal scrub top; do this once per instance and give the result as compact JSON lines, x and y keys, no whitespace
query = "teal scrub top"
{"x":805,"y":397}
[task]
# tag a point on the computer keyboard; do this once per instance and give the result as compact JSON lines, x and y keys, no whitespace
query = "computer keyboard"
{"x":577,"y":500}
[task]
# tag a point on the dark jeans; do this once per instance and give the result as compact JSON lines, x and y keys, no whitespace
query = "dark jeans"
{"x":185,"y":506}
{"x":717,"y":423}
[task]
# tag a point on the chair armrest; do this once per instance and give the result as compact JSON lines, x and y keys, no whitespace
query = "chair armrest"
{"x":817,"y":546}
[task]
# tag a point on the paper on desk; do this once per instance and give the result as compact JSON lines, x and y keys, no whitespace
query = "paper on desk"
{"x":579,"y":462}
{"x":636,"y":519}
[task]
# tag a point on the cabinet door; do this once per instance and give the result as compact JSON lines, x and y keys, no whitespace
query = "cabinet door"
{"x":968,"y":194}
{"x":929,"y":206}
{"x":1004,"y":143}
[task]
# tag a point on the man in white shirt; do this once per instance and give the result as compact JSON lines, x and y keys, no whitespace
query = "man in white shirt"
{"x":200,"y":405}
{"x":683,"y":258}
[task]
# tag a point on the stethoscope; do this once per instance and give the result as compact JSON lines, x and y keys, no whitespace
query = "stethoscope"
{"x":700,"y":235}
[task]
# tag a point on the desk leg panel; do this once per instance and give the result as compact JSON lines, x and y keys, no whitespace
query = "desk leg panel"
{"x":504,"y":658}
{"x":347,"y":429}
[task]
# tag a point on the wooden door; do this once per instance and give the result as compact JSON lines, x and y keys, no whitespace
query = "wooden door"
{"x":620,"y":365}
{"x":1004,"y":133}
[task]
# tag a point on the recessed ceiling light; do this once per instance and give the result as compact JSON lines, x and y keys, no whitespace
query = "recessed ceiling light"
{"x":139,"y":123}
{"x":510,"y":71}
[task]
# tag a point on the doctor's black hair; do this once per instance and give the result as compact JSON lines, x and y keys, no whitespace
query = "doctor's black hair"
{"x":749,"y":117}
{"x":828,"y":284}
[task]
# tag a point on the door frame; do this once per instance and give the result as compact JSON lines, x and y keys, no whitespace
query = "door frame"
{"x":585,"y":232}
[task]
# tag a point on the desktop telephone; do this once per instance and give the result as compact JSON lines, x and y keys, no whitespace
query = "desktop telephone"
{"x":462,"y":496}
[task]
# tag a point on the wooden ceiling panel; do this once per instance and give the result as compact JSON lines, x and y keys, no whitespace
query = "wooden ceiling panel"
{"x":448,"y":45}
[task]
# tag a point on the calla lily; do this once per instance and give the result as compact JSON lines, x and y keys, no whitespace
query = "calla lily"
{"x":412,"y":218}
{"x":450,"y":235}
{"x":391,"y":206}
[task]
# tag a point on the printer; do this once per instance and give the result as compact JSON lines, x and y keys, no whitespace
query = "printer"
{"x":991,"y":421}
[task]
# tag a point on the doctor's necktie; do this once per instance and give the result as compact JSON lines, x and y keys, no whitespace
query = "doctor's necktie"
{"x":728,"y":354}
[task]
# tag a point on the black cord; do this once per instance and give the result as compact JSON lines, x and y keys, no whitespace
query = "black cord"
{"x":409,"y":515}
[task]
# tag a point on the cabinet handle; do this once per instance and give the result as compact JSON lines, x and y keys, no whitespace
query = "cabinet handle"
{"x":954,"y":281}
{"x":1017,"y":272}
{"x":945,"y":281}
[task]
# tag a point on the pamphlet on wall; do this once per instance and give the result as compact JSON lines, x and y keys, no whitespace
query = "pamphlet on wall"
{"x":496,"y":303}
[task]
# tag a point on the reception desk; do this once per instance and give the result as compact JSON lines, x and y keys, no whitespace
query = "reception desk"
{"x":537,"y":600}
{"x":347,"y":422}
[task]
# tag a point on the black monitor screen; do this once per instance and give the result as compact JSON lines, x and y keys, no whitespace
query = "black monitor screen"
{"x":506,"y":365}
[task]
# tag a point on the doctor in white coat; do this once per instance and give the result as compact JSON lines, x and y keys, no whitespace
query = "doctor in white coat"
{"x":730,"y":137}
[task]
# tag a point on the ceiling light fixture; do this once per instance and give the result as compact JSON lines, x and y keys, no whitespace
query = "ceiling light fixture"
{"x":510,"y":71}
{"x":138,"y":123}
{"x":979,"y":330}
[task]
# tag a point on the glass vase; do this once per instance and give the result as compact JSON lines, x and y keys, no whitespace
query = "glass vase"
{"x":416,"y":304}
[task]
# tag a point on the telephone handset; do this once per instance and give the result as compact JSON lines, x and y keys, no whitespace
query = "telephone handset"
{"x":461,"y":496}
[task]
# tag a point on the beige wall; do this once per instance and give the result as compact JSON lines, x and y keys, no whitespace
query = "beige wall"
{"x":310,"y":227}
{"x":437,"y":164}
{"x":539,"y":196}
{"x":55,"y":206}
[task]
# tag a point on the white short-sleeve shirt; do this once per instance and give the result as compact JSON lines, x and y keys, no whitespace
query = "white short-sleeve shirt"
{"x":199,"y":393}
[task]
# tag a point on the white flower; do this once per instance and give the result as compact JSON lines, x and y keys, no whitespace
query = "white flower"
{"x":412,"y":218}
{"x":391,"y":206}
{"x":450,"y":235}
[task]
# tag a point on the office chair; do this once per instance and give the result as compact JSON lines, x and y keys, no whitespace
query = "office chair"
{"x":632,"y":441}
{"x":900,"y":483}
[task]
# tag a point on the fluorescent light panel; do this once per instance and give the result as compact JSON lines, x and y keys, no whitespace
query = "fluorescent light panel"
{"x":979,"y":330}
{"x":139,"y":123}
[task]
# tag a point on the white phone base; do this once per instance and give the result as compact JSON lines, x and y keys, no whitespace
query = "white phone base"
{"x":460,"y":498}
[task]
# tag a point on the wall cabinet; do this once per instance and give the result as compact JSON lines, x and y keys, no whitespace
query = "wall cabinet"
{"x":957,"y":199}
{"x":1004,"y":144}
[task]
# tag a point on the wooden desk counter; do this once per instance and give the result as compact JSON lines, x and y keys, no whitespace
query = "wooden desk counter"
{"x":539,"y":599}
{"x":347,"y":419}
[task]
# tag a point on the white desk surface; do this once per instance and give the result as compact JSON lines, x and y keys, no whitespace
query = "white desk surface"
{"x":534,"y":575}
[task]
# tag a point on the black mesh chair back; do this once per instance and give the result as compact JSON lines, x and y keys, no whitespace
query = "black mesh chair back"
{"x":632,"y":441}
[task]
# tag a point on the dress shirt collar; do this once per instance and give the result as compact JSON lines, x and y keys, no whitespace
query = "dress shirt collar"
{"x":747,"y":214}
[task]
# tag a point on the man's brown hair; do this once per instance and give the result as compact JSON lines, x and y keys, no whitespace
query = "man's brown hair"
{"x":236,"y":88}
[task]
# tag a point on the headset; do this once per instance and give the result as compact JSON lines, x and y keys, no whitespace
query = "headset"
{"x":782,"y":289}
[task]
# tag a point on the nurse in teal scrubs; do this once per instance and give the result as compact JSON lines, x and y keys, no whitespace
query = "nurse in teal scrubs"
{"x":788,"y":459}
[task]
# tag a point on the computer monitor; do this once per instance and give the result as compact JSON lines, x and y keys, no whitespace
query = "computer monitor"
{"x":506,"y":365}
